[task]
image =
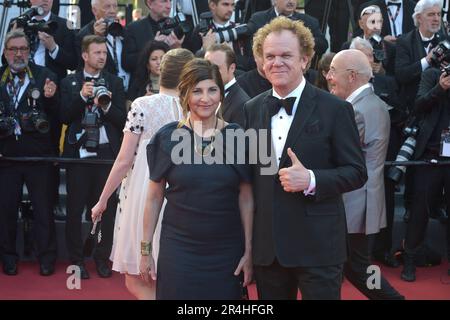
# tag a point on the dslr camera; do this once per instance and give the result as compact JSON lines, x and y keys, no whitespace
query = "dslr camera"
{"x":440,"y":53}
{"x":228,"y":35}
{"x":31,"y":27}
{"x":178,"y":24}
{"x":7,"y":123}
{"x":406,"y":152}
{"x":34,"y":120}
{"x":113,"y":27}
{"x":91,"y":126}
{"x":100,"y":92}
{"x":379,"y":55}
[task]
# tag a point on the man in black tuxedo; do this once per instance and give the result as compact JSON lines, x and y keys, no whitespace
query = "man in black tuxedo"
{"x":287,"y":8}
{"x":105,"y":11}
{"x":140,"y":32}
{"x":82,"y":110}
{"x":24,"y":137}
{"x":315,"y":158}
{"x":397,"y":17}
{"x":232,"y":107}
{"x":220,"y":23}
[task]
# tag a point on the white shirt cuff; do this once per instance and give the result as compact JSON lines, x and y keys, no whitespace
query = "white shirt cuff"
{"x":54,"y":53}
{"x":424,"y":63}
{"x":312,"y":185}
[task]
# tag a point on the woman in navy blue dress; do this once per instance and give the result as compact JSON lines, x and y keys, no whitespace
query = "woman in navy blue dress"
{"x":205,"y":245}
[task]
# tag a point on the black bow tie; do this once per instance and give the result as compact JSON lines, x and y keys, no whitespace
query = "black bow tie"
{"x":276,"y":104}
{"x":87,"y":79}
{"x":397,"y":4}
{"x":426,"y":43}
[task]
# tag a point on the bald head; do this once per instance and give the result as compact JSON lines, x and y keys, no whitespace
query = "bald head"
{"x":349,"y":70}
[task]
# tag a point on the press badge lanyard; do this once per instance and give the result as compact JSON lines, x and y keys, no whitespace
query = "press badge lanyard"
{"x":394,"y":18}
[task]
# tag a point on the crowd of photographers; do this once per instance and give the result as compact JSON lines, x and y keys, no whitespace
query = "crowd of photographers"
{"x":404,"y":40}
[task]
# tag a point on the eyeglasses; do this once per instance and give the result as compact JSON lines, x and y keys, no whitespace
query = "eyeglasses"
{"x":332,"y":72}
{"x":15,"y":50}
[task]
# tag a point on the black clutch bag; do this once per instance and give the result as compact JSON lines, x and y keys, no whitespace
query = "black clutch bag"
{"x":94,"y":238}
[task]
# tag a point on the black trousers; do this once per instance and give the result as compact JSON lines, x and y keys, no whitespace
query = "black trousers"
{"x":276,"y":282}
{"x":428,"y":184}
{"x":355,"y":269}
{"x":84,"y":186}
{"x":39,"y":186}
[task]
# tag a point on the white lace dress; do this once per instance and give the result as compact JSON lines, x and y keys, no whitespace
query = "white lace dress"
{"x":146,"y":116}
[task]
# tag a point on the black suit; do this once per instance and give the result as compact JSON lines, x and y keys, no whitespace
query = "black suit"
{"x":259,"y":19}
{"x":85,"y":182}
{"x":408,"y":10}
{"x":232,"y":107}
{"x":253,"y":83}
{"x":35,"y":175}
{"x":136,"y":35}
{"x":289,"y":228}
{"x":408,"y":68}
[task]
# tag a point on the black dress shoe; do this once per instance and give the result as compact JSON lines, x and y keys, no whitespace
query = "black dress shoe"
{"x":46,"y":269}
{"x":58,"y":213}
{"x":409,"y":268}
{"x":10,"y":268}
{"x":103,"y":269}
{"x":84,"y":274}
{"x":388,"y":259}
{"x":439,"y":214}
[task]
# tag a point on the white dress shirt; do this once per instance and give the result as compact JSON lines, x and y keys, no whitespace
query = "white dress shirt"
{"x":280,"y":125}
{"x":39,"y":55}
{"x":355,"y":93}
{"x":22,"y":89}
{"x":424,"y":61}
{"x":228,"y":85}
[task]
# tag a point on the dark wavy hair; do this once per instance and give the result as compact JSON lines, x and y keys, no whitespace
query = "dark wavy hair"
{"x":141,"y":73}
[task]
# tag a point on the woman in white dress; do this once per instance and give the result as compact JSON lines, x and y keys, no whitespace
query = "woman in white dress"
{"x":146,"y":116}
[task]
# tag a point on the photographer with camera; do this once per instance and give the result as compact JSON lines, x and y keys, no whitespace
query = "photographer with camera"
{"x":433,"y":141}
{"x":27,"y":96}
{"x":215,"y":27}
{"x":52,"y":46}
{"x":93,"y":103}
{"x":149,"y":28}
{"x":106,"y":25}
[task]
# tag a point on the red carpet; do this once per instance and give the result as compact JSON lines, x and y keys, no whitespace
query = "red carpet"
{"x":432,"y":284}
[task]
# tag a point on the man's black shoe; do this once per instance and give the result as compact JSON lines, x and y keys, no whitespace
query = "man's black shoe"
{"x":10,"y":268}
{"x":388,"y":259}
{"x":46,"y":269}
{"x":103,"y":269}
{"x":439,"y":214}
{"x":84,"y":274}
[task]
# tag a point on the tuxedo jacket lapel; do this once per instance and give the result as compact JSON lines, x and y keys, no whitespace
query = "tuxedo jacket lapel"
{"x":305,"y":107}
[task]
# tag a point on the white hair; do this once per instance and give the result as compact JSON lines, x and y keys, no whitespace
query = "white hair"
{"x":423,"y":5}
{"x":360,"y":42}
{"x":94,"y":3}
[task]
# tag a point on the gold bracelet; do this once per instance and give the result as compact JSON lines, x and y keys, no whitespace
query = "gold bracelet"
{"x":146,"y":248}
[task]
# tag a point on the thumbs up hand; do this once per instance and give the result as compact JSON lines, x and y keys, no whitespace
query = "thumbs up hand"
{"x":296,"y":178}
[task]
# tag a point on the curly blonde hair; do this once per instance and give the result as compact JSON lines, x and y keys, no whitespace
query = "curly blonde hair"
{"x":304,"y":35}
